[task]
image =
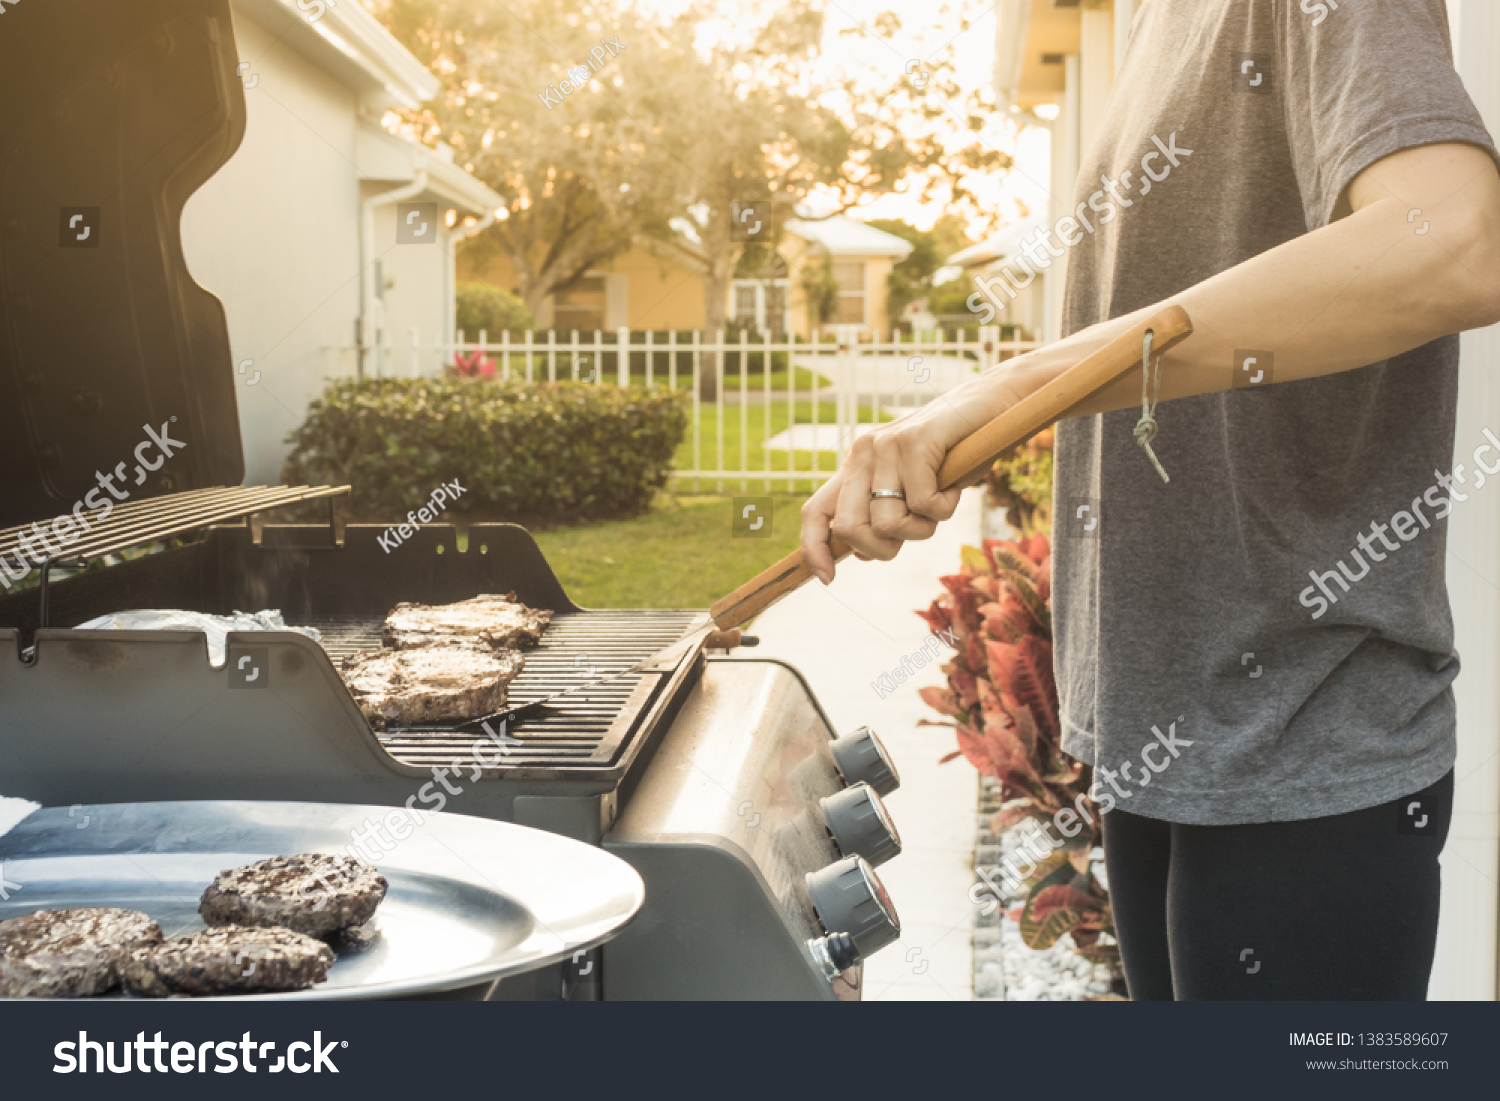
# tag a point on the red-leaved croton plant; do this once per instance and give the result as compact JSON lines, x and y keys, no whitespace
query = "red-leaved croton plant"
{"x":1002,"y":700}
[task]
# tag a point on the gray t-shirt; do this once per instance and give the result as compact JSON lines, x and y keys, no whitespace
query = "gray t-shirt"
{"x":1185,"y":613}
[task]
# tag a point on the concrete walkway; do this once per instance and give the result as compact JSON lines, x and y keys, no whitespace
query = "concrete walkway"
{"x":924,"y":373}
{"x":844,"y":637}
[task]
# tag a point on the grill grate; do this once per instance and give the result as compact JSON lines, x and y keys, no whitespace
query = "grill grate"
{"x":588,"y":728}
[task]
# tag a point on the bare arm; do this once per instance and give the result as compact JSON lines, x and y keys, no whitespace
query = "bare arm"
{"x":1362,"y":289}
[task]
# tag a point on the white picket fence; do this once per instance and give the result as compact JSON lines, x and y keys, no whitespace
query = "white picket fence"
{"x":866,"y":379}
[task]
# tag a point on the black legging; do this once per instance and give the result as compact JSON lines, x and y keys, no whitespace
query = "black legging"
{"x":1344,"y":907}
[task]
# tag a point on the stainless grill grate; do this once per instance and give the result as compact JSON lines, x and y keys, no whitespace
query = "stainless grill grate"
{"x":588,"y":728}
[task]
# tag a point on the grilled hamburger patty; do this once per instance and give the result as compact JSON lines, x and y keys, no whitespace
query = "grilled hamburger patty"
{"x":497,"y":622}
{"x":232,"y":959}
{"x":436,"y":684}
{"x":314,"y":893}
{"x":69,"y":953}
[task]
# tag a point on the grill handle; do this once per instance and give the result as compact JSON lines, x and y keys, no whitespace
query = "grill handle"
{"x":975,"y":453}
{"x":728,"y":640}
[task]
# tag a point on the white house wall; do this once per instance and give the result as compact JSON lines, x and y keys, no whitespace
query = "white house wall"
{"x":415,"y":278}
{"x":274,"y":235}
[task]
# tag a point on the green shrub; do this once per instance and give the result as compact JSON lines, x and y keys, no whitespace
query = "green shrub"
{"x":481,"y":307}
{"x":1021,"y":482}
{"x":538,"y":452}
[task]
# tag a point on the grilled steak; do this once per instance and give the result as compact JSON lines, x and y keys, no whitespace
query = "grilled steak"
{"x":436,"y":684}
{"x":313,"y":893}
{"x":228,"y":960}
{"x":497,"y":622}
{"x":69,"y":953}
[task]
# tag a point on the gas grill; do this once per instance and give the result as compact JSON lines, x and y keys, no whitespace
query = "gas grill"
{"x":720,"y":780}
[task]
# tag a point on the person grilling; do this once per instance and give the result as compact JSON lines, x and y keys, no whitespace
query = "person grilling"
{"x":1330,"y":222}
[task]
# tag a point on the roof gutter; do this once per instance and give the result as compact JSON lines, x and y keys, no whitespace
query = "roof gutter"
{"x":450,"y":288}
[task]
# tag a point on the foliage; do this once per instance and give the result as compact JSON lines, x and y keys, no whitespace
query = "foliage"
{"x":759,"y":261}
{"x":474,"y":365}
{"x":911,"y":278}
{"x":575,"y":171}
{"x":770,"y":119}
{"x":952,"y":297}
{"x":720,"y":101}
{"x":820,"y":289}
{"x":1002,"y":702}
{"x":1021,"y":482}
{"x":543,"y":451}
{"x":482,"y":308}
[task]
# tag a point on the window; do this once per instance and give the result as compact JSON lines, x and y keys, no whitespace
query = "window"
{"x":760,"y":305}
{"x":775,"y":319}
{"x":581,"y":306}
{"x":850,"y":276}
{"x":744,"y":303}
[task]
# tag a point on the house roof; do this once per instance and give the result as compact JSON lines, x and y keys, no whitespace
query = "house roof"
{"x":1032,"y":39}
{"x":843,"y":236}
{"x":349,"y":43}
{"x":383,"y":157}
{"x":997,"y":246}
{"x":839,"y":234}
{"x":685,"y":237}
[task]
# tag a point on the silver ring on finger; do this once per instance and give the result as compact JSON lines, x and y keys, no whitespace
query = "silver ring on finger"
{"x":887,"y":494}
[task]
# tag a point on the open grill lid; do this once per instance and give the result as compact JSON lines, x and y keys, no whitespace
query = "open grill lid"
{"x":115,"y":113}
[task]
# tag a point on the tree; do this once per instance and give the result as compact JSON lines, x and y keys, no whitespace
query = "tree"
{"x":483,"y":308}
{"x":911,"y":278}
{"x":754,"y":120}
{"x":668,"y":130}
{"x":575,"y":176}
{"x":820,"y":290}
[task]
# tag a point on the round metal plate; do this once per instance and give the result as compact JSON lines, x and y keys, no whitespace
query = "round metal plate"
{"x":470,"y":900}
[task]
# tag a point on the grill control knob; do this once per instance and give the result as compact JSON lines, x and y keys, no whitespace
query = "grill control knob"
{"x":861,"y":758}
{"x":849,"y":898}
{"x":834,"y":954}
{"x":859,"y":823}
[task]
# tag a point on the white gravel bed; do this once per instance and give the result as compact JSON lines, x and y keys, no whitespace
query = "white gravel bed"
{"x":1004,"y":968}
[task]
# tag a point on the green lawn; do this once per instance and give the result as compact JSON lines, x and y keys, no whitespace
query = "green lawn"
{"x":680,"y":555}
{"x":755,"y":382}
{"x":754,"y":436}
{"x":661,"y":376}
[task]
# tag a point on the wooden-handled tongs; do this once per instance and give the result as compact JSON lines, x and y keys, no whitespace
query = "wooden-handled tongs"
{"x":975,"y":453}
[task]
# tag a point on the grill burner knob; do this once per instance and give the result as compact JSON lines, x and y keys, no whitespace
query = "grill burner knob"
{"x":861,"y":758}
{"x":848,"y":896}
{"x":859,"y":823}
{"x":834,"y":954}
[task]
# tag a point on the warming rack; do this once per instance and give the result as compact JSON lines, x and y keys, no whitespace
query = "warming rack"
{"x":147,"y":521}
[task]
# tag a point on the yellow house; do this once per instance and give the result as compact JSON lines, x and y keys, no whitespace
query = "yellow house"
{"x":861,"y":256}
{"x":653,"y":285}
{"x":659,"y":285}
